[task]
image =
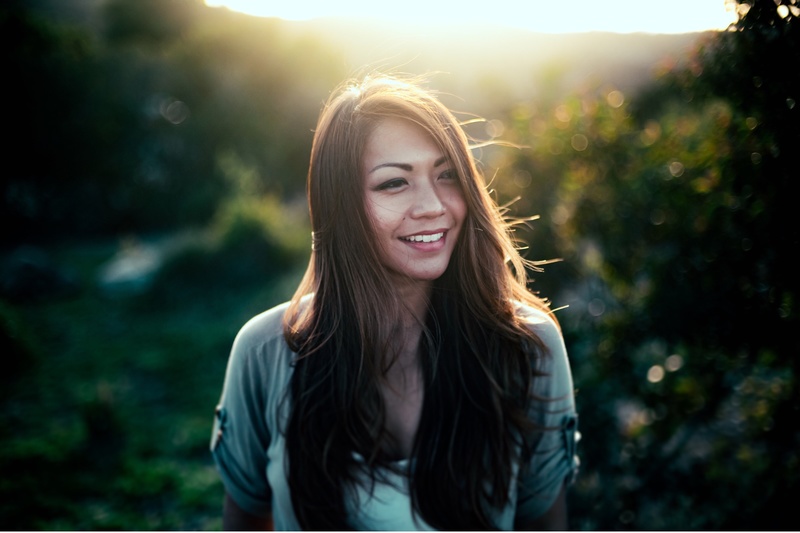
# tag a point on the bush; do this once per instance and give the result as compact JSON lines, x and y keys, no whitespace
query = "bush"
{"x":251,"y":242}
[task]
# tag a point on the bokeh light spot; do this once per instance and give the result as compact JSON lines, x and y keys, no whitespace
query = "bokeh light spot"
{"x":174,"y":111}
{"x":658,"y":217}
{"x":579,"y":142}
{"x":674,"y":362}
{"x":495,"y":128}
{"x":676,"y":168}
{"x":562,"y":114}
{"x":655,"y":374}
{"x":560,"y":215}
{"x":615,"y":98}
{"x":522,"y":179}
{"x":743,"y":9}
{"x":651,"y":133}
{"x":596,"y":307}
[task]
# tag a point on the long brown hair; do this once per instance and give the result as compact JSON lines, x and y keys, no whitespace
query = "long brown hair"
{"x":477,"y":362}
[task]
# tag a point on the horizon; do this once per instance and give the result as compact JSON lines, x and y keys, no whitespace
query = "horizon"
{"x":580,"y":16}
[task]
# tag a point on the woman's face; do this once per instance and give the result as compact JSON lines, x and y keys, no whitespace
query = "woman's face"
{"x":413,"y":198}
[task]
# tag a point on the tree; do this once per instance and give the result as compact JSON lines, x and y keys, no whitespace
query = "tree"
{"x":674,"y":209}
{"x":121,"y":117}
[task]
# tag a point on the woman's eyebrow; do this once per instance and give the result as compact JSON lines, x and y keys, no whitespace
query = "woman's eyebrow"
{"x":401,"y":166}
{"x":408,"y":168}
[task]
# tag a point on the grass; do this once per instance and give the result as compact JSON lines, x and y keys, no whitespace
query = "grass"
{"x":107,"y":415}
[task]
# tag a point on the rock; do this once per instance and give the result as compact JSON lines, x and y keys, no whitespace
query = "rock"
{"x":131,"y":270}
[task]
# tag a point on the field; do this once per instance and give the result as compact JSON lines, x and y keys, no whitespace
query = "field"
{"x":107,"y":414}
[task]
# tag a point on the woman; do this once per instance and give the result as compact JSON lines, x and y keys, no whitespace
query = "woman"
{"x":413,"y":382}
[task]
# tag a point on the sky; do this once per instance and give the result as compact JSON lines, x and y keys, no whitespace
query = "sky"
{"x":620,"y":16}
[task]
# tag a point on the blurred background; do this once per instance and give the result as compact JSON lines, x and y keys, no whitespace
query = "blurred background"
{"x":153,"y":201}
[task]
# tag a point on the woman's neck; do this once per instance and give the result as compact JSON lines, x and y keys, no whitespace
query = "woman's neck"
{"x":414,"y":298}
{"x":403,"y":386}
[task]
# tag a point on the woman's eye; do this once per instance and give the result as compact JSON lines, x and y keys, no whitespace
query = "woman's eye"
{"x":449,"y":175}
{"x":391,"y":184}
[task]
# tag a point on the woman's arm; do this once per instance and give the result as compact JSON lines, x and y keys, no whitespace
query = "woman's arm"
{"x":234,"y":518}
{"x":554,"y":519}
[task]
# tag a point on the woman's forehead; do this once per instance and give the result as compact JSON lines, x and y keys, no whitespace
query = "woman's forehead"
{"x":397,"y":141}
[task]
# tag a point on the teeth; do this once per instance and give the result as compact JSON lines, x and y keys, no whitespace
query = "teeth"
{"x":424,"y":238}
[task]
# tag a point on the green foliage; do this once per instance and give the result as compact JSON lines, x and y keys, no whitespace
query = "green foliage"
{"x":252,"y":239}
{"x":109,"y":427}
{"x":17,"y":344}
{"x":674,"y":209}
{"x":119,"y":130}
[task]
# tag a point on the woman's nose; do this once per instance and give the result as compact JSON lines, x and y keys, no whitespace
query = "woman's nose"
{"x":427,"y":202}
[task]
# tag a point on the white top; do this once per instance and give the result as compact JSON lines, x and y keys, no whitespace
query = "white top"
{"x":249,"y":448}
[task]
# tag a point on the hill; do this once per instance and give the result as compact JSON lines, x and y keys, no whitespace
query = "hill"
{"x":484,"y":63}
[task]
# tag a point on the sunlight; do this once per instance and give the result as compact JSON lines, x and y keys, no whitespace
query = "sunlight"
{"x":620,"y":16}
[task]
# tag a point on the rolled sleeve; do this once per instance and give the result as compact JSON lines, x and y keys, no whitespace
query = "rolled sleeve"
{"x":553,"y":461}
{"x":240,"y":437}
{"x":553,"y":464}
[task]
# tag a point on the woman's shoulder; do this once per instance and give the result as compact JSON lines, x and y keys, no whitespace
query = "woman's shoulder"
{"x":542,"y":322}
{"x":260,"y":347}
{"x":554,"y":362}
{"x":263,"y":328}
{"x":261,"y":339}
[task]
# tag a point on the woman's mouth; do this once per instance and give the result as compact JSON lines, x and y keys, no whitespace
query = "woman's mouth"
{"x":432,"y":237}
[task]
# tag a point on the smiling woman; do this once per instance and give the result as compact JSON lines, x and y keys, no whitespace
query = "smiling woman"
{"x":619,"y":16}
{"x":414,"y":381}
